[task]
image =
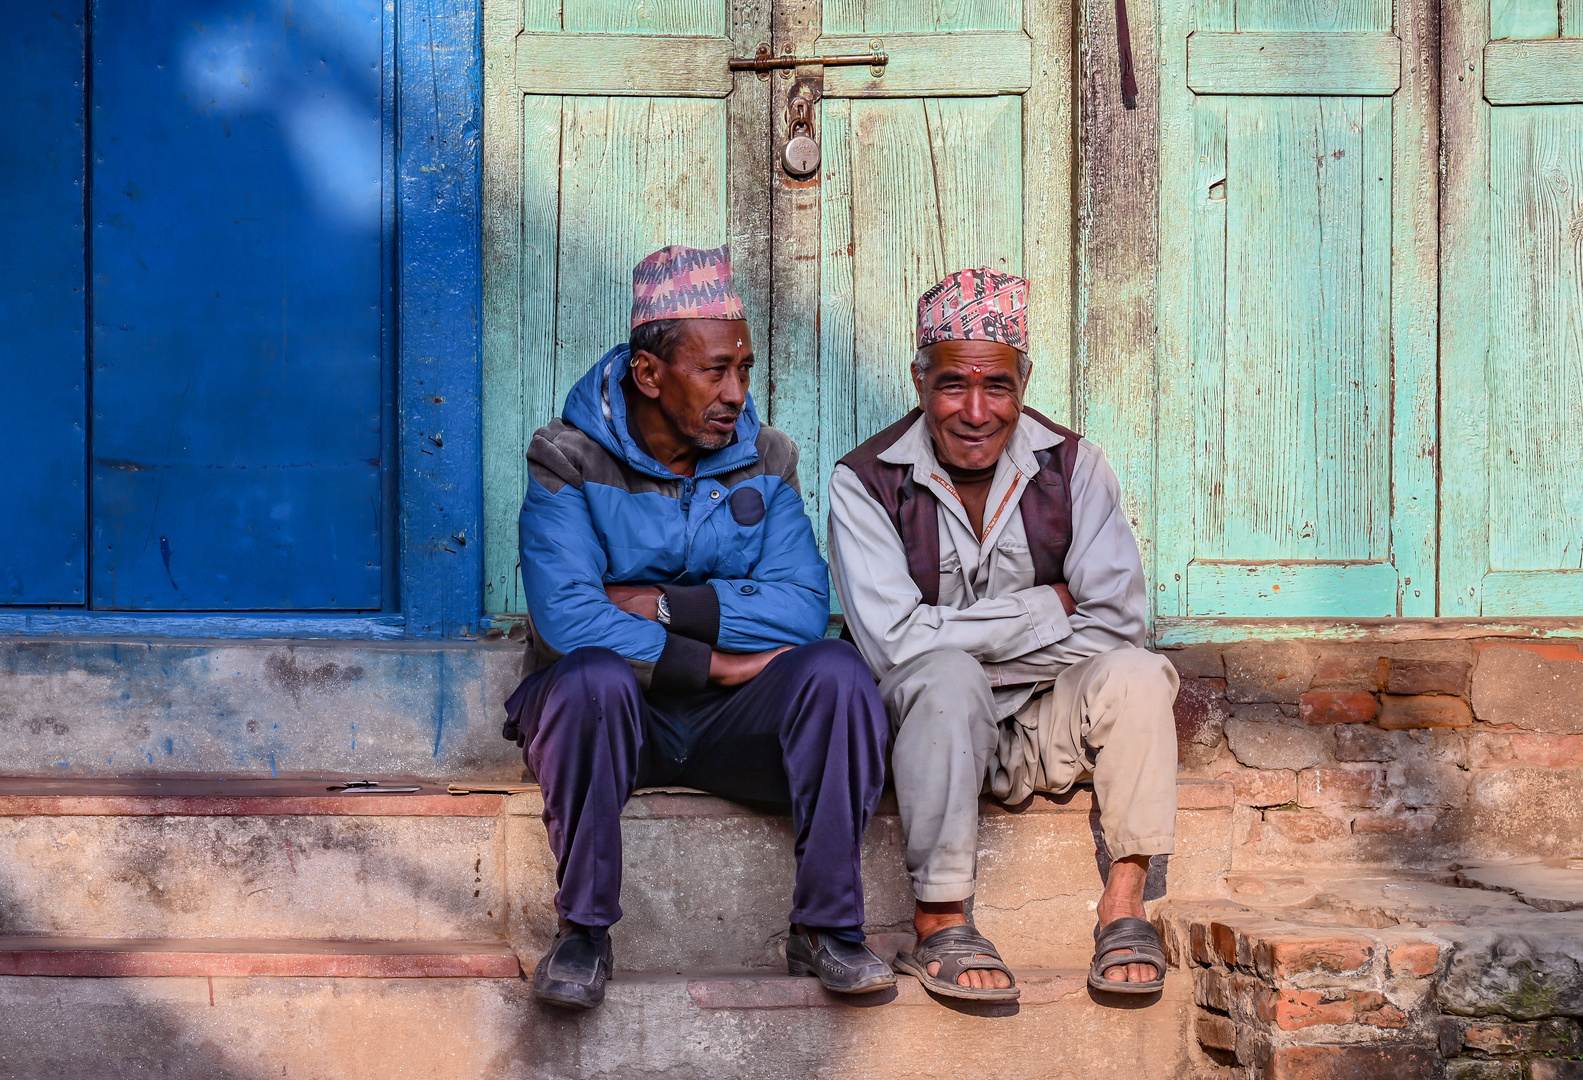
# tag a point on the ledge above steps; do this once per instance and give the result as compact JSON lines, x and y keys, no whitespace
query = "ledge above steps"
{"x":213,"y":796}
{"x":66,"y":957}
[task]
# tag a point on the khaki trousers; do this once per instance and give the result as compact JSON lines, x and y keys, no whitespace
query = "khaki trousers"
{"x":1106,"y":719}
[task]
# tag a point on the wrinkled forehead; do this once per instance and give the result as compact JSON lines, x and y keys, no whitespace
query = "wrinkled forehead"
{"x":982,"y":359}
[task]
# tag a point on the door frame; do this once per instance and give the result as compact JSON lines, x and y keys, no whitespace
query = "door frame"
{"x":433,"y":299}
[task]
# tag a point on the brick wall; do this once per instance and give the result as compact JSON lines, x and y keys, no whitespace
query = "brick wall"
{"x":1411,"y":754}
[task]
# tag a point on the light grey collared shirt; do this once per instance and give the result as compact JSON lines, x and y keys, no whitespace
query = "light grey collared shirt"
{"x":989,"y":606}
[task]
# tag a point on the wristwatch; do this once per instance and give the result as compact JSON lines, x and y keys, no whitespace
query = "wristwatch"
{"x":665,"y":610}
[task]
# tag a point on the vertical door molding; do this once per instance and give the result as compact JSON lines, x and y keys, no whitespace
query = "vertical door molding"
{"x":1512,"y":323}
{"x":1297,"y":285}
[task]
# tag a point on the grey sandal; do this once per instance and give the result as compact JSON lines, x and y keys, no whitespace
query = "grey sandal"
{"x":958,"y":949}
{"x":1127,"y":941}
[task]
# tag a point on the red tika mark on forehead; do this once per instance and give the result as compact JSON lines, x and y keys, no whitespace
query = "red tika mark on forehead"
{"x":976,"y":369}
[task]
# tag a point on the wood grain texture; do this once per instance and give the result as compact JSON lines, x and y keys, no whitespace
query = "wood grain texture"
{"x":1049,"y":141}
{"x":1292,"y":590}
{"x":1323,"y":15}
{"x":1524,"y":19}
{"x":795,"y":270}
{"x":1170,"y":633}
{"x":1189,"y":351}
{"x":1294,"y":334}
{"x":891,"y":16}
{"x":1464,"y":315}
{"x":1532,"y":593}
{"x":1414,"y":293}
{"x":1115,"y":385}
{"x":439,"y":176}
{"x":932,"y":65}
{"x":1343,"y":64}
{"x":1533,"y":72}
{"x":1571,"y":20}
{"x":749,"y":165}
{"x":637,"y":65}
{"x":1535,"y":378}
{"x":504,"y":385}
{"x":838,"y":378}
{"x":645,"y":17}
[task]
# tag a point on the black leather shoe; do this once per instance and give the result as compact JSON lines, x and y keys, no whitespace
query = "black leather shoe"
{"x":574,"y":972}
{"x":843,"y":968}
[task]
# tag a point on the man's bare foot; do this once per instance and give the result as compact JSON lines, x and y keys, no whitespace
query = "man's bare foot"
{"x":928,"y":918}
{"x":1124,"y":897}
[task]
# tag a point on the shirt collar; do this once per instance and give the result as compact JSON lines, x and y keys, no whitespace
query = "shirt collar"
{"x":916,"y":448}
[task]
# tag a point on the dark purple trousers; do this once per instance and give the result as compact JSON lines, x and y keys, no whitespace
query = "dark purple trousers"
{"x":809,"y":734}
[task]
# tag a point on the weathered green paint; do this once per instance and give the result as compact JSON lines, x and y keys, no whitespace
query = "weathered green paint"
{"x":1524,"y":19}
{"x":1534,"y":72}
{"x":1295,"y":460}
{"x":1512,"y":326}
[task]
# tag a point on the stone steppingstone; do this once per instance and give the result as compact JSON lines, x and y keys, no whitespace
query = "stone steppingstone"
{"x":1275,"y":671}
{"x":1556,"y":1035}
{"x":1484,"y":1069}
{"x":1526,"y":972}
{"x":1201,"y":711}
{"x":1260,"y":744}
{"x":1516,"y":812}
{"x":691,"y":1027}
{"x":1542,"y":884}
{"x":1527,"y":688}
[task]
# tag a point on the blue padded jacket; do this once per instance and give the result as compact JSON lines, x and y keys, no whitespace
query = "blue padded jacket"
{"x":730,"y":546}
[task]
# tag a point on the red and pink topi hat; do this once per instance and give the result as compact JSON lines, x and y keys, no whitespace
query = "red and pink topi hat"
{"x":975,"y":305}
{"x":685,"y":283}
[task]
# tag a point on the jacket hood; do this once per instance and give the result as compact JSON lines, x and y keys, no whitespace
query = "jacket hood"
{"x":597,"y":407}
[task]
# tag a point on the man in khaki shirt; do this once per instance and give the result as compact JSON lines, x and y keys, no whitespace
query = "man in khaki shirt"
{"x":990,"y":578}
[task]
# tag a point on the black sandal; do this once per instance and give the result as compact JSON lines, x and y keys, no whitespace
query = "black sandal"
{"x":958,"y":949}
{"x":1127,"y":941}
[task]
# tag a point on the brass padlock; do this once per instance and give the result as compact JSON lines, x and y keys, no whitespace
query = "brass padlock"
{"x":800,"y":158}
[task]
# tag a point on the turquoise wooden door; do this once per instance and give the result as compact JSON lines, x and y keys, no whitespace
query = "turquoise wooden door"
{"x":1512,"y":324}
{"x":1295,"y":473}
{"x":954,"y":155}
{"x":611,"y":129}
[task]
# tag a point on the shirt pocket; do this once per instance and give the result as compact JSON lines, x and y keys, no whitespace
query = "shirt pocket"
{"x":1013,"y":565}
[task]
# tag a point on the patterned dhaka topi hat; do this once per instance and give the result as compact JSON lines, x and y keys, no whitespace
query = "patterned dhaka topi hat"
{"x":975,"y":305}
{"x":685,"y":283}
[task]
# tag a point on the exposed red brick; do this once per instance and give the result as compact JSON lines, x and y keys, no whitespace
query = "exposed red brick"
{"x":1357,"y":785}
{"x":1416,"y":823}
{"x":1263,"y":787}
{"x":1547,"y":751}
{"x":1366,"y":673}
{"x":1550,"y":650}
{"x":1209,"y":988}
{"x":1428,"y":676}
{"x":1305,"y":826}
{"x":1352,"y":1062}
{"x":1297,"y":952}
{"x":1215,"y":1032}
{"x":1423,"y":711}
{"x":1291,"y":1010}
{"x":1202,"y":943}
{"x":1201,"y":711}
{"x":1338,"y":707}
{"x":1223,"y":942}
{"x":1417,"y":958}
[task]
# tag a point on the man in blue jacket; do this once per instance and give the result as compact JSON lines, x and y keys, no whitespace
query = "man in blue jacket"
{"x":679,"y":604}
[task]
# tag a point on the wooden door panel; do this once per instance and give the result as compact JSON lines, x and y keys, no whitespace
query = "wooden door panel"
{"x":1289,"y":202}
{"x":1512,"y":328}
{"x":911,"y":189}
{"x":920,"y":16}
{"x":610,"y":131}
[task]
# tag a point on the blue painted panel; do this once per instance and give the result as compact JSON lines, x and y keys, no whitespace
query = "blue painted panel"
{"x":42,"y":370}
{"x":236,"y":215}
{"x":440,"y":169}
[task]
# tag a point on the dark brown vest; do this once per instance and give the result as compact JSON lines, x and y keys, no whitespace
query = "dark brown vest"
{"x":1046,"y":505}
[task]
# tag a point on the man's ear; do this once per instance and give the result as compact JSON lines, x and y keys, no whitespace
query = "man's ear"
{"x":645,"y":373}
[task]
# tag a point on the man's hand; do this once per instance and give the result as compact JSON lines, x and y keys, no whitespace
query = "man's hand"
{"x":1066,"y":598}
{"x":734,"y":669}
{"x":641,"y":600}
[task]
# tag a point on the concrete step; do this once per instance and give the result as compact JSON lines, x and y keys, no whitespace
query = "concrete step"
{"x":63,"y":957}
{"x":707,"y":882}
{"x":755,"y":1027}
